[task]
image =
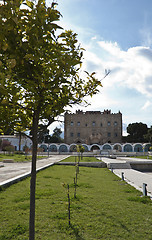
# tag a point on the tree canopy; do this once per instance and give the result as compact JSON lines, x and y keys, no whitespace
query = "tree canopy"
{"x":148,"y":135}
{"x":39,"y":72}
{"x":136,"y":132}
{"x":56,"y":138}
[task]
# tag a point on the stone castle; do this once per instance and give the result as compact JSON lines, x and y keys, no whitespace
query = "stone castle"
{"x":93,"y":127}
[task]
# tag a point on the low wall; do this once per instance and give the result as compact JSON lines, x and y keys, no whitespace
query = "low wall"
{"x":84,"y":164}
{"x":141,"y":166}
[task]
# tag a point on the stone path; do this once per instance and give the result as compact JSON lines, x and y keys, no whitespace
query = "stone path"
{"x":13,"y":172}
{"x":131,"y":176}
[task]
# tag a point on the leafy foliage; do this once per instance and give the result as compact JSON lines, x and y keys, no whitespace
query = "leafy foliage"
{"x":136,"y":132}
{"x":4,"y":144}
{"x":148,"y":136}
{"x":55,"y":138}
{"x":39,"y":72}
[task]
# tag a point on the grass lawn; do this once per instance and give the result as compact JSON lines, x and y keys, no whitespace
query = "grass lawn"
{"x":17,"y":157}
{"x":144,"y":157}
{"x":85,"y":159}
{"x":105,"y":207}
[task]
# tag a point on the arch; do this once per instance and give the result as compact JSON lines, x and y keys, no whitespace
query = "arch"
{"x":63,"y":148}
{"x":138,"y":147}
{"x":127,"y":147}
{"x":44,"y":147}
{"x":86,"y":149}
{"x":146,"y":147}
{"x":73,"y":148}
{"x":107,"y":146}
{"x":95,"y":147}
{"x":53,"y":148}
{"x":117,"y":147}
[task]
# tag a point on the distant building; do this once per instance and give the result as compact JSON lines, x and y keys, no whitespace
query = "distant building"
{"x":93,"y":127}
{"x":16,"y":141}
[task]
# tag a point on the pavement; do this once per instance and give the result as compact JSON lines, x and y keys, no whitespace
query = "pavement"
{"x":13,"y":172}
{"x":131,"y":176}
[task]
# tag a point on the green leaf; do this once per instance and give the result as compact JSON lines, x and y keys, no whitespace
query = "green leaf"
{"x":30,"y":4}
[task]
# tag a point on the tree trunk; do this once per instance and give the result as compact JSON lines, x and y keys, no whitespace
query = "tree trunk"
{"x":33,"y":177}
{"x":19,"y":148}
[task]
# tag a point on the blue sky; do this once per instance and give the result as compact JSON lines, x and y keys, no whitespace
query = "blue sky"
{"x":117,"y":35}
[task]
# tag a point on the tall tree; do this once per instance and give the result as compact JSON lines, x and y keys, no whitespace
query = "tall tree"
{"x":148,"y":135}
{"x":55,"y":138}
{"x":39,"y":72}
{"x":136,"y":132}
{"x":42,"y":133}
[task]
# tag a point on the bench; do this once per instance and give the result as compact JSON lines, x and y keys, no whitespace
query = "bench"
{"x":8,"y":160}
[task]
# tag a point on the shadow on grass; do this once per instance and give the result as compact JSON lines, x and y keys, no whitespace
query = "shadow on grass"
{"x":75,"y":230}
{"x":140,"y":199}
{"x":17,"y":230}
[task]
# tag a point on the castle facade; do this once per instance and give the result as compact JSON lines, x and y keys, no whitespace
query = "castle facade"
{"x":93,"y":127}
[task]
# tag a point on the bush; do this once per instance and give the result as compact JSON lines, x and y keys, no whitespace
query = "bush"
{"x":10,"y":149}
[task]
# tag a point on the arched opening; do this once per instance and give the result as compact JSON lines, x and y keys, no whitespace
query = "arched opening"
{"x":44,"y":147}
{"x":147,"y":147}
{"x":128,"y":148}
{"x":117,"y":147}
{"x":138,"y":148}
{"x":107,"y":147}
{"x":52,"y":148}
{"x":63,"y":148}
{"x":73,"y":148}
{"x":86,"y":149}
{"x":95,"y":147}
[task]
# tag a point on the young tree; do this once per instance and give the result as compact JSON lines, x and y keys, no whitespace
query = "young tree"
{"x":39,"y":72}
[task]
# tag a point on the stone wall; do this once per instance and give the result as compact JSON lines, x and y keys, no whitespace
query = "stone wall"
{"x":93,"y":127}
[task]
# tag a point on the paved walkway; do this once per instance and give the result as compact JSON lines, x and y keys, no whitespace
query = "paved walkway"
{"x":131,"y":176}
{"x":13,"y":172}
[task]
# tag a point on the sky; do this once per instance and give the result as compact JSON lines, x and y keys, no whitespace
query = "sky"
{"x":116,"y":35}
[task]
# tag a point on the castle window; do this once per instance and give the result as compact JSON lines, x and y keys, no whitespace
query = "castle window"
{"x":71,"y":134}
{"x":78,"y":134}
{"x":116,"y":134}
{"x":101,"y":124}
{"x":109,"y":134}
{"x":109,"y":123}
{"x":115,"y":123}
{"x":86,"y":124}
{"x":78,"y":123}
{"x":71,"y":124}
{"x":93,"y":124}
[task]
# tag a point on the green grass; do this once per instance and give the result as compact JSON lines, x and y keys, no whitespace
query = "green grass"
{"x":17,"y":157}
{"x":105,"y":207}
{"x":144,"y":157}
{"x":84,"y":159}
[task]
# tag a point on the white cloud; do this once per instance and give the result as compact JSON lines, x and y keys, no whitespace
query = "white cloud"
{"x":131,"y":68}
{"x":147,"y":105}
{"x":128,"y":88}
{"x":146,"y":34}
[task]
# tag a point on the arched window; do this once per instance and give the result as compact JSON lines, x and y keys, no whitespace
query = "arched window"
{"x":93,"y":123}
